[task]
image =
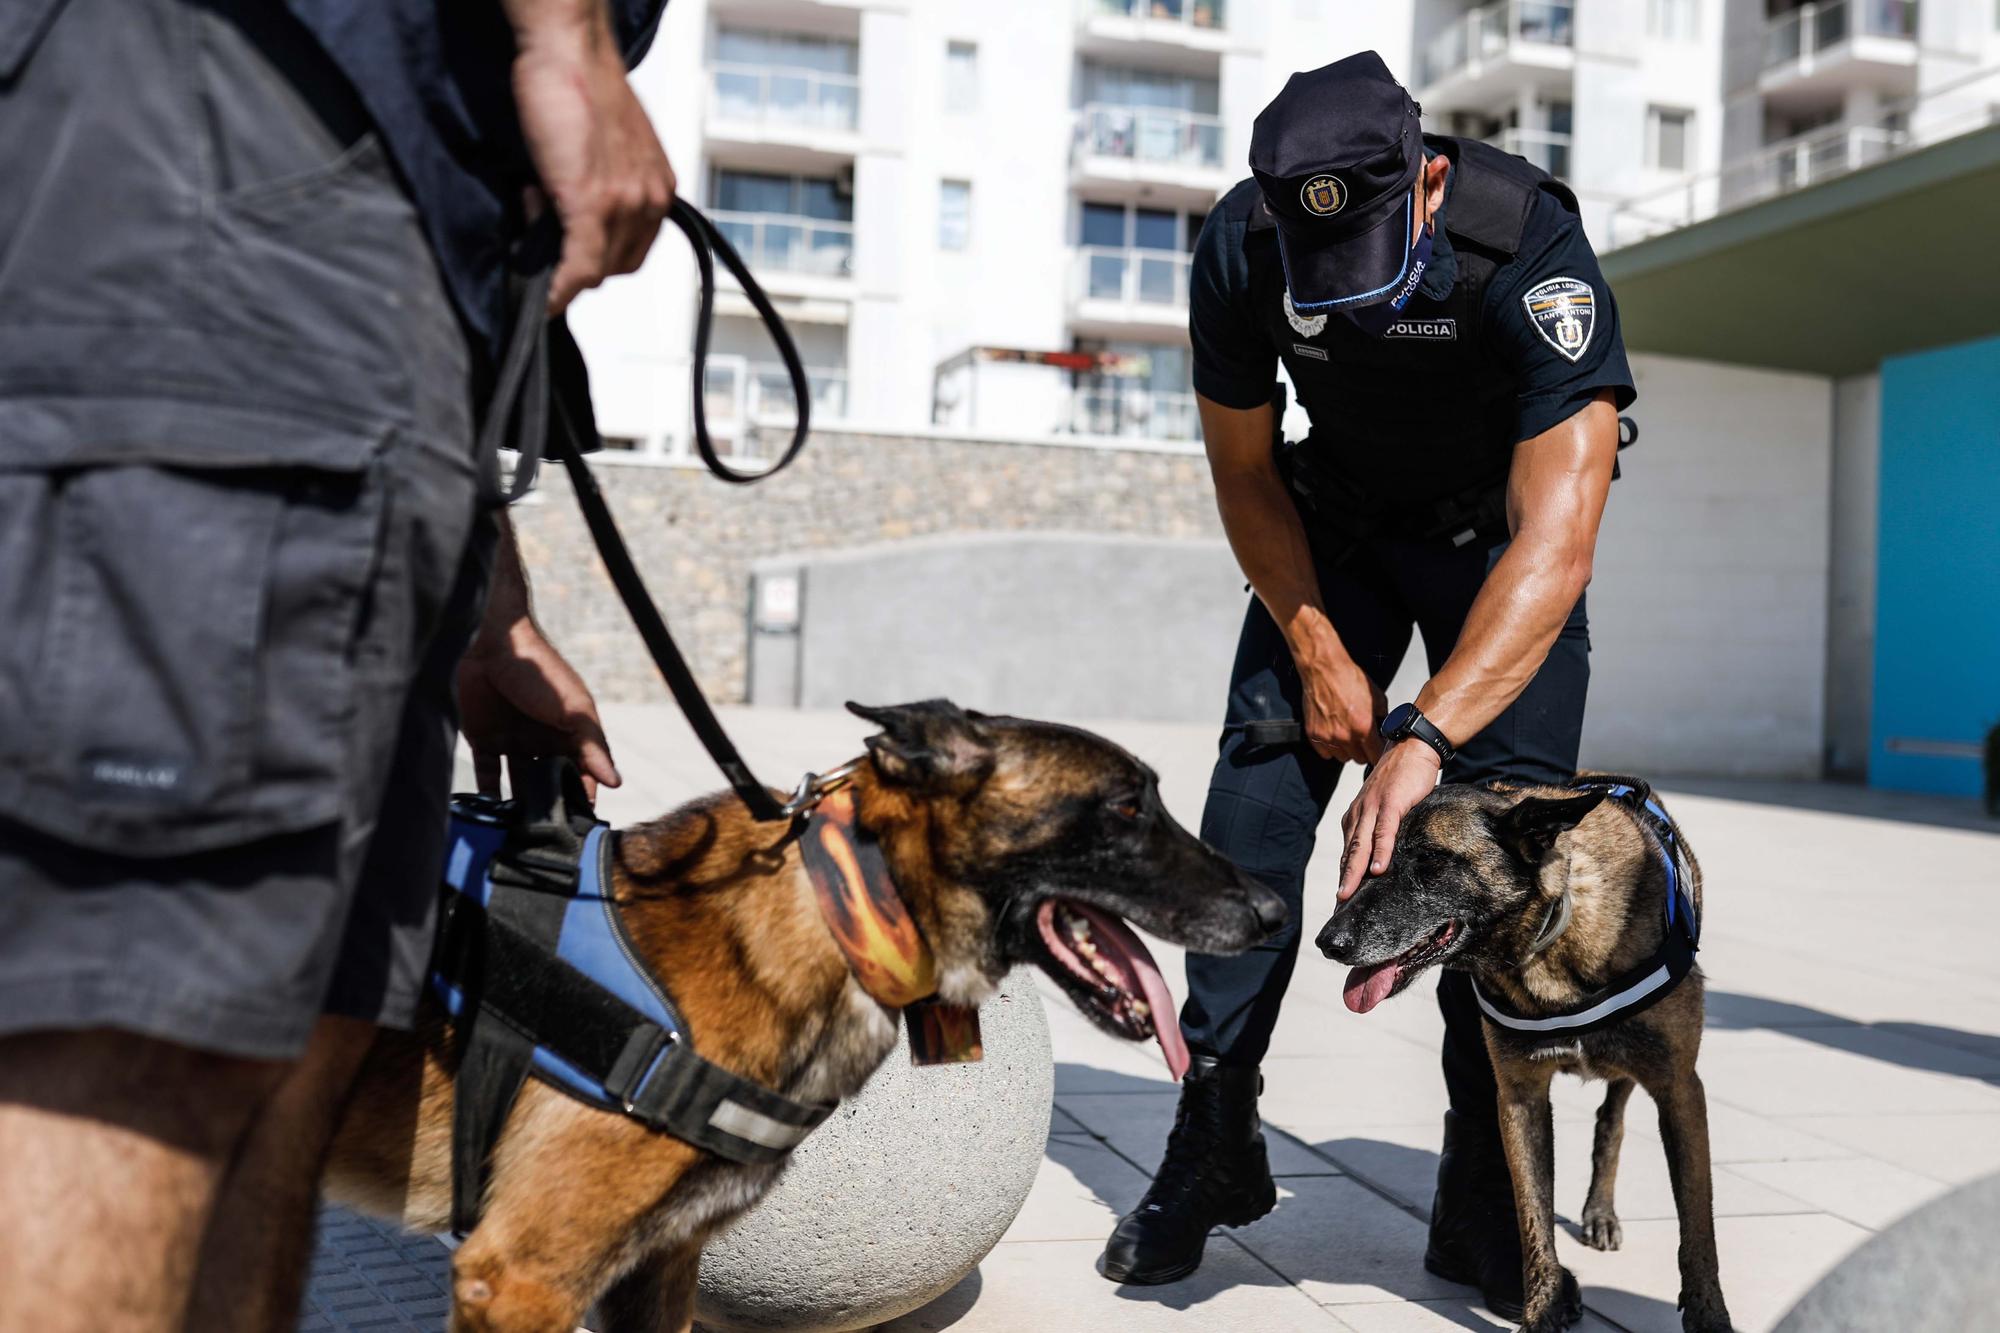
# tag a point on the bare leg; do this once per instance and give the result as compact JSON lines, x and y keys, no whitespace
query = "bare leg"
{"x":1684,"y":1127}
{"x":657,"y":1296}
{"x":112,"y":1151}
{"x":1600,"y":1219}
{"x":253,"y":1259}
{"x":1550,"y":1300}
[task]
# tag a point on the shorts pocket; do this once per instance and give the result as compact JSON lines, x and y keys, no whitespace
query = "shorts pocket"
{"x":22,"y":27}
{"x":184,"y":674}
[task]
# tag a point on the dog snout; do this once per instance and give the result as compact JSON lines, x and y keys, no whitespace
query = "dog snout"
{"x":1269,"y":906}
{"x":1337,"y":937}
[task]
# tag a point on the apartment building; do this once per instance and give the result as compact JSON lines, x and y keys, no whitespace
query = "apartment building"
{"x":978,"y":217}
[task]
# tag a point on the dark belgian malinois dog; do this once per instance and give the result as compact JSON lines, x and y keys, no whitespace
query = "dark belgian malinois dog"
{"x":1008,"y":841}
{"x":1563,"y":905}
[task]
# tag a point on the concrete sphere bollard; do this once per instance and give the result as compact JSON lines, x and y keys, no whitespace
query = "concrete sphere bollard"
{"x":900,"y":1193}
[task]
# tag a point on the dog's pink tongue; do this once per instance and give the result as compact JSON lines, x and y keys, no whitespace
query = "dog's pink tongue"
{"x":1369,"y":986}
{"x":1130,"y":952}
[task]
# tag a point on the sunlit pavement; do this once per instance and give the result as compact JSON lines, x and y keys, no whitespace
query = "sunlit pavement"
{"x":1852,"y":1063}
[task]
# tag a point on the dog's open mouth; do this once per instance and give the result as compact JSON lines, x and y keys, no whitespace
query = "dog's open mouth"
{"x":1099,"y":961}
{"x":1372,"y":983}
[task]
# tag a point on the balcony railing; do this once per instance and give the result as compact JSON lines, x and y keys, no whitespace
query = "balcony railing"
{"x":1546,"y":150}
{"x":1810,"y":29}
{"x":1143,"y":278}
{"x":1490,"y":34}
{"x":1107,"y":407}
{"x":1779,"y":169}
{"x":787,"y":243}
{"x":1205,"y":15}
{"x":749,"y":404}
{"x":781,"y":96}
{"x":1154,"y":136}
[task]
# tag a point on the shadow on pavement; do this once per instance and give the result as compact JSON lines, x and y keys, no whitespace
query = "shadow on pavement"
{"x":1923,"y":1046}
{"x":1839,"y":798}
{"x":1300,"y":1244}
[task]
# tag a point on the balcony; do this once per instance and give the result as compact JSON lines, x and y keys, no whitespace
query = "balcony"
{"x":1494,"y":55}
{"x":1133,"y":411}
{"x":1548,"y":151}
{"x":1121,"y":291}
{"x":1120,"y":147}
{"x":1818,"y":52}
{"x":783,"y":119}
{"x":791,"y":254}
{"x":1189,"y":35}
{"x":750,"y":406}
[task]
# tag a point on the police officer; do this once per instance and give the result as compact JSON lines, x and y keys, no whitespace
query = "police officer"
{"x":1444,"y":324}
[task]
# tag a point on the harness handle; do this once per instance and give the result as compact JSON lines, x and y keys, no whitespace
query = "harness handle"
{"x":519,"y":416}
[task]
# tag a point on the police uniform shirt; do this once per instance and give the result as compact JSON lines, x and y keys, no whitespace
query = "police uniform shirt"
{"x":1493,"y":349}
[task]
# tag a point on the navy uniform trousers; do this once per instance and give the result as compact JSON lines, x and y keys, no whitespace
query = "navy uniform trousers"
{"x":1265,"y":803}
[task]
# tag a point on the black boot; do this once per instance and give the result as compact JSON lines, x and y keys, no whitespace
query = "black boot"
{"x":1215,"y":1174}
{"x":1474,"y":1236}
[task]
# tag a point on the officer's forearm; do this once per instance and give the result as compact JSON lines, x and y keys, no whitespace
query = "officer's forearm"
{"x":508,"y":606}
{"x":1264,"y":530}
{"x":1556,"y":495}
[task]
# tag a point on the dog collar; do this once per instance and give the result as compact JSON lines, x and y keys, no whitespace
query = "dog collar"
{"x":875,"y":933}
{"x":1649,"y":982}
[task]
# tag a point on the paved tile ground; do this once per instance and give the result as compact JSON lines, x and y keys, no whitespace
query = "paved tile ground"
{"x":1852,"y":1065}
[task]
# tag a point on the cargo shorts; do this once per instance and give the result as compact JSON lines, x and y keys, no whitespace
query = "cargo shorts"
{"x":240,"y":544}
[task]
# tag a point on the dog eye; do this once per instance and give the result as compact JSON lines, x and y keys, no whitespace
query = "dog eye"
{"x":1126,"y":808}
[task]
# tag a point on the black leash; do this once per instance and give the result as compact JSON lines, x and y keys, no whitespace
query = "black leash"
{"x":519,"y":416}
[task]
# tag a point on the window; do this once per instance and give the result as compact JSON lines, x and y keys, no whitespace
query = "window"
{"x":961,"y":76}
{"x":797,"y":223}
{"x":1136,"y":254}
{"x":790,"y":77}
{"x":954,"y":214}
{"x":1667,"y":138}
{"x":1673,"y":20}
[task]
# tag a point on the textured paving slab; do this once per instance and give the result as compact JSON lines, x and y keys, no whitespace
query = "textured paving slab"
{"x":370,"y":1278}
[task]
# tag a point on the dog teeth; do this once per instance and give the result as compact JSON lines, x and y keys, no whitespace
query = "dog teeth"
{"x":1142,"y":1009}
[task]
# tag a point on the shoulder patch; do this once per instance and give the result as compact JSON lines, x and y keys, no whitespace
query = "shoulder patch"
{"x":1564,"y":312}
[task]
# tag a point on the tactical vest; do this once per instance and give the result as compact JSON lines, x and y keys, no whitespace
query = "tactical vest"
{"x":1428,"y":412}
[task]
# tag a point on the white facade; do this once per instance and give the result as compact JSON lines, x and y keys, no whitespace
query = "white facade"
{"x":917,"y":179}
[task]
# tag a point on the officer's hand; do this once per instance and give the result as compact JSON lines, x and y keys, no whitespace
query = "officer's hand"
{"x":1404,"y":776}
{"x":518,"y":698}
{"x":1343,"y":709}
{"x":593,"y":149}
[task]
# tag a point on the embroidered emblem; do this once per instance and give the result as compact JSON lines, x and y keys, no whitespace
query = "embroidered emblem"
{"x":1306,"y":326}
{"x":1316,"y":353}
{"x":1439,"y":330}
{"x":1564,"y":312}
{"x":1323,"y":196}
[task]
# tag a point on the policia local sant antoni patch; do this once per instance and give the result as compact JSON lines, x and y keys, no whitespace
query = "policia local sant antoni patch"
{"x":1441,"y":318}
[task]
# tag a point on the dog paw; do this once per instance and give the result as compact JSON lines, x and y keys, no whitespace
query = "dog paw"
{"x":1600,"y":1231}
{"x":1709,"y":1316}
{"x":1563,"y":1310}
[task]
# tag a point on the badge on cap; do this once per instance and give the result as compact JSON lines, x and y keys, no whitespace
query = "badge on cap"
{"x":1323,"y":196}
{"x":1564,"y":312}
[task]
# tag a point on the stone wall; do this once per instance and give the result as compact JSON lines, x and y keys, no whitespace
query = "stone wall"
{"x":694,"y":537}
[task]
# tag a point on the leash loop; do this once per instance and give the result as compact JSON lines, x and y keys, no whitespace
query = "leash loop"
{"x":531,"y":411}
{"x":814,"y":788}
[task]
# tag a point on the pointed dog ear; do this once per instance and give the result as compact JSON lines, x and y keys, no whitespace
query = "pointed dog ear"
{"x":934,"y":745}
{"x":1530,"y":826}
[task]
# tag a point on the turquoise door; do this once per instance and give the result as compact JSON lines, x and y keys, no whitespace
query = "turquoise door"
{"x":1937,"y":618}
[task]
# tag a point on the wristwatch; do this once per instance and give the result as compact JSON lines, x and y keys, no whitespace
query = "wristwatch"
{"x":1404,"y":721}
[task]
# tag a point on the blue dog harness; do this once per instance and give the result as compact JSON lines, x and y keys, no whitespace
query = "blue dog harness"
{"x":540,"y":978}
{"x":1655,"y":978}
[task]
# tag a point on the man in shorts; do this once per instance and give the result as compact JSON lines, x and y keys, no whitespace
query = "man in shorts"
{"x":252,"y":284}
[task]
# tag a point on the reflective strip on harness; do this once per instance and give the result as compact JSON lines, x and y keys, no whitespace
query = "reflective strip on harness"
{"x":1653,"y":979}
{"x":739,"y":1120}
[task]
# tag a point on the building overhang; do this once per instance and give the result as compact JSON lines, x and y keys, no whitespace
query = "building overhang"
{"x":1830,"y":279}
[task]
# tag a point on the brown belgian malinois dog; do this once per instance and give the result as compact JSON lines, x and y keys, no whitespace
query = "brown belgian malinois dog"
{"x":1008,"y":841}
{"x":1556,"y":900}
